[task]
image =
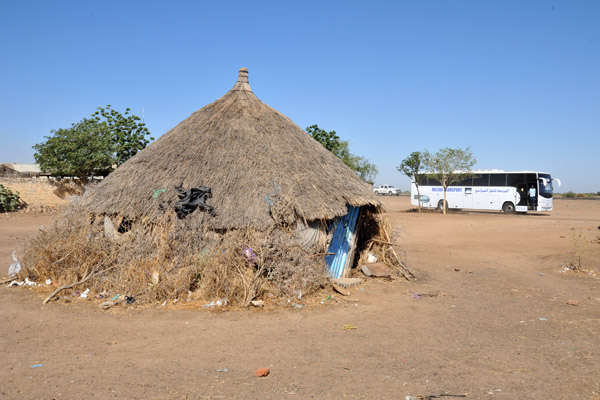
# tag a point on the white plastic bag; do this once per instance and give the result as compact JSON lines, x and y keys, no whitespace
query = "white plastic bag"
{"x":15,"y":267}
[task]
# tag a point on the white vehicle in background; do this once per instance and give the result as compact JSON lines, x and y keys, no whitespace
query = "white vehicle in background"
{"x":386,"y":189}
{"x":488,"y":190}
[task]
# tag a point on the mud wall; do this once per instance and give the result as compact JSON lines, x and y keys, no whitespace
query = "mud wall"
{"x":42,"y":192}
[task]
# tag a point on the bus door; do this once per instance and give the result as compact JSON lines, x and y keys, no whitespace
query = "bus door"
{"x":532,"y":181}
{"x":468,"y":198}
{"x":521,"y":196}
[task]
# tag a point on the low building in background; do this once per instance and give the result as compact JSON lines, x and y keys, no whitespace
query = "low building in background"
{"x":21,"y":170}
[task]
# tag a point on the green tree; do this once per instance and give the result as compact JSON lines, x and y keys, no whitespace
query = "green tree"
{"x":341,"y":149}
{"x":449,"y":166}
{"x":83,"y":150}
{"x":94,"y":145}
{"x":330,"y":140}
{"x":411,"y":166}
{"x":9,"y":200}
{"x":127,"y":133}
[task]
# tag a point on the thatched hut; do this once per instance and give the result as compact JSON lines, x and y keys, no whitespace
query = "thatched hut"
{"x":271,"y":196}
{"x":246,"y":152}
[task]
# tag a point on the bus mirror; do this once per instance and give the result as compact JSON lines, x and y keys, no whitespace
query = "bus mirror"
{"x":544,"y":181}
{"x":557,"y":180}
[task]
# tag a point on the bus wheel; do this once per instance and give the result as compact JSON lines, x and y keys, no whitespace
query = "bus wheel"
{"x":508,"y":207}
{"x":440,"y":206}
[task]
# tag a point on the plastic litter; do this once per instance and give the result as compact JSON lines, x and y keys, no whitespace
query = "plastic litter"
{"x":326,"y":299}
{"x":371,"y":258}
{"x":158,"y":193}
{"x":191,"y":199}
{"x":543,"y":319}
{"x":218,"y":303}
{"x":129,"y":299}
{"x":250,"y":256}
{"x":48,"y":282}
{"x":15,"y":267}
{"x":349,"y":327}
{"x":37,"y":365}
{"x":84,"y":294}
{"x":258,"y":303}
{"x":26,"y":282}
{"x":417,"y":296}
{"x":222,"y":370}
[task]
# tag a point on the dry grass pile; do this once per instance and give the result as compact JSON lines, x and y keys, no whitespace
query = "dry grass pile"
{"x":169,"y":259}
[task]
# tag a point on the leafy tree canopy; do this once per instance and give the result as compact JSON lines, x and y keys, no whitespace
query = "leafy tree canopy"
{"x":127,"y":133}
{"x":341,"y":148}
{"x":330,"y":140}
{"x":411,"y":166}
{"x":83,"y":150}
{"x":449,"y":166}
{"x":93,"y":146}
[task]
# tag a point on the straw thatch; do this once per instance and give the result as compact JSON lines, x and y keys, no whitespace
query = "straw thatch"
{"x":255,"y":160}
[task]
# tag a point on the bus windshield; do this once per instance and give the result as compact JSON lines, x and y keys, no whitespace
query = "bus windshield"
{"x":545,"y":186}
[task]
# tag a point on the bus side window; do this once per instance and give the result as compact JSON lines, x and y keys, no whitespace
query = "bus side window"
{"x":481,"y":180}
{"x":466,"y":182}
{"x":497,"y":179}
{"x":421,"y":180}
{"x":515,"y":179}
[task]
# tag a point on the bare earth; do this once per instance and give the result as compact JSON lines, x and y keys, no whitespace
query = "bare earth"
{"x":492,"y":322}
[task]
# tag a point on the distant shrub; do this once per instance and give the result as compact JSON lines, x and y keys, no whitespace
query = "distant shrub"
{"x":580,"y":195}
{"x":9,"y":200}
{"x":569,"y":194}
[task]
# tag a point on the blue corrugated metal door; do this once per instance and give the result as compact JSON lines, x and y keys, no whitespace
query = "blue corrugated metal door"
{"x":342,"y":242}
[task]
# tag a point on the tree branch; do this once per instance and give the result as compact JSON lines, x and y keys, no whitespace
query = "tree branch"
{"x":86,"y":277}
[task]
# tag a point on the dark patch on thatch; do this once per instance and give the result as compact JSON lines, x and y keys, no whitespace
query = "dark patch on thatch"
{"x":256,"y":160}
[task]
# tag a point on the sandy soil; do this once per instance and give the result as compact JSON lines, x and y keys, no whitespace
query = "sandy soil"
{"x":492,"y":322}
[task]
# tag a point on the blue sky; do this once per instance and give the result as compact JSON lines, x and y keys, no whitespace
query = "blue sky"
{"x":518,"y":82}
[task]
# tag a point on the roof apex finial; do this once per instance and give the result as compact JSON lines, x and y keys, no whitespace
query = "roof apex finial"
{"x":242,"y":82}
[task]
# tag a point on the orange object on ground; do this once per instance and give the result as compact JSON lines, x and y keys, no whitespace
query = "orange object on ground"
{"x":262,"y":372}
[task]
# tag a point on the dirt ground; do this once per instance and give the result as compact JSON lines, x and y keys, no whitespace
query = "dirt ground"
{"x":490,"y":320}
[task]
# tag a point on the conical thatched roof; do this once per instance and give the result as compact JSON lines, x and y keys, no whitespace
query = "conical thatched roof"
{"x":253,"y":158}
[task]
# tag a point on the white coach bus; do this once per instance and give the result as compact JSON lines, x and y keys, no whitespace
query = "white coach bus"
{"x":488,"y":190}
